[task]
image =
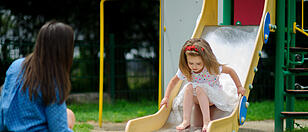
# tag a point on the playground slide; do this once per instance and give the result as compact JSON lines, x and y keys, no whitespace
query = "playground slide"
{"x":237,"y":46}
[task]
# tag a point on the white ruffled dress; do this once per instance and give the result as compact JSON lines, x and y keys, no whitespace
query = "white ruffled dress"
{"x":212,"y":87}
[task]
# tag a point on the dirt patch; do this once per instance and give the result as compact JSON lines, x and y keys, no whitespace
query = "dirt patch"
{"x":250,"y":126}
{"x":108,"y":127}
{"x":79,"y":98}
{"x":266,"y":125}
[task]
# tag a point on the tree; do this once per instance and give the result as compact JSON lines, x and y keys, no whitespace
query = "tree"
{"x":135,"y":26}
{"x":133,"y":22}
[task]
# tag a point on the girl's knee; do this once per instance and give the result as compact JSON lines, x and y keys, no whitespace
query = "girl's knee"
{"x":189,"y":88}
{"x":200,"y":91}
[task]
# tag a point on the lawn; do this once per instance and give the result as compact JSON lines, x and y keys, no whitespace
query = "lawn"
{"x":122,"y":111}
{"x":265,"y":110}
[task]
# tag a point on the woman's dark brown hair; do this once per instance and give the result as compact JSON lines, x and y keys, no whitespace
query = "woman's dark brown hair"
{"x":46,"y":71}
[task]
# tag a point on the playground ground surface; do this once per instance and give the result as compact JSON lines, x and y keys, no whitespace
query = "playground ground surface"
{"x":249,"y":126}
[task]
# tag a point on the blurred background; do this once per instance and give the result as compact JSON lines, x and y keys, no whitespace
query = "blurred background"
{"x":131,"y":42}
{"x":131,"y":45}
{"x":130,"y":56}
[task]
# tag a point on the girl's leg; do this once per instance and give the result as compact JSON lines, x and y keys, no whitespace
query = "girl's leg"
{"x":70,"y":118}
{"x":187,"y":107}
{"x":197,"y":115}
{"x":197,"y":119}
{"x":204,"y":105}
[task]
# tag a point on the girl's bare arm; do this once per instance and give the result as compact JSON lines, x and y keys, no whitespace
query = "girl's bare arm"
{"x":174,"y":80}
{"x":235,"y":78}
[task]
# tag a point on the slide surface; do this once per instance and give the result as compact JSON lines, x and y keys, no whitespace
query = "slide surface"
{"x":237,"y":46}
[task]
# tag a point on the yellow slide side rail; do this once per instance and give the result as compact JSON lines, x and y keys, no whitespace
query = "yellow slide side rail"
{"x":160,"y":68}
{"x":156,"y":121}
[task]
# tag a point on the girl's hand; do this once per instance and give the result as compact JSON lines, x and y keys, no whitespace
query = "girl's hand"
{"x":70,"y":118}
{"x":164,"y":102}
{"x":241,"y":90}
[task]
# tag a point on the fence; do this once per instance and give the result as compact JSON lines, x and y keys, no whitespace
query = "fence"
{"x":124,"y":77}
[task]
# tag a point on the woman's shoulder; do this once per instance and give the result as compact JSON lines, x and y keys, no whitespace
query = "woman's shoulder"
{"x":18,"y":61}
{"x":15,"y":66}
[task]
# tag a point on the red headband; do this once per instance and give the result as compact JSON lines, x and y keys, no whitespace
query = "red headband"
{"x":191,"y":48}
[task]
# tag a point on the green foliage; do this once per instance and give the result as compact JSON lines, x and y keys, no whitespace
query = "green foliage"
{"x":85,"y":68}
{"x":83,"y":127}
{"x":135,"y":83}
{"x":6,"y":19}
{"x":142,"y":88}
{"x":139,"y":31}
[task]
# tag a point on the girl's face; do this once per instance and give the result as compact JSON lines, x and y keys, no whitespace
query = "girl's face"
{"x":195,"y":63}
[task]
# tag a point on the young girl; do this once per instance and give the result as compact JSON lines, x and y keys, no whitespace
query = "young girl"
{"x":199,"y":66}
{"x":36,"y":87}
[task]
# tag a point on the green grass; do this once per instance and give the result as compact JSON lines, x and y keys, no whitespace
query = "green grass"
{"x":299,"y":130}
{"x":85,"y":112}
{"x":83,"y":127}
{"x":260,"y":110}
{"x":304,"y":129}
{"x":120,"y":111}
{"x":265,"y":110}
{"x":123,"y":111}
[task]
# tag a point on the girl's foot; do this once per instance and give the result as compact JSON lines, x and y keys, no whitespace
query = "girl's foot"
{"x":183,"y":126}
{"x":204,"y":128}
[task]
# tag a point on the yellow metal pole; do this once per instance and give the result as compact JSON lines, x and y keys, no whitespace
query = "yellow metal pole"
{"x":101,"y":68}
{"x":302,"y":31}
{"x":160,"y":74}
{"x":298,"y":29}
{"x":294,"y":27}
{"x":303,"y":14}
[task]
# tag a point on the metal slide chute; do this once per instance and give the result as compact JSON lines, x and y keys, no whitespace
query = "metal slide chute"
{"x":206,"y":26}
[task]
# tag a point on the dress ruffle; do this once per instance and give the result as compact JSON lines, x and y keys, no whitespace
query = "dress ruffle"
{"x":220,"y":98}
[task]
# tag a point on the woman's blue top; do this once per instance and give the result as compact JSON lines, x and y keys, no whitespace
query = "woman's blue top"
{"x":19,"y":114}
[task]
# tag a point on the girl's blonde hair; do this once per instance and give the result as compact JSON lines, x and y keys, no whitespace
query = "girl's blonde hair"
{"x":198,"y":47}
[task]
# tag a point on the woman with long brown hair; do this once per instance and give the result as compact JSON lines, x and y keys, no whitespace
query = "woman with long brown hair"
{"x":36,"y":87}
